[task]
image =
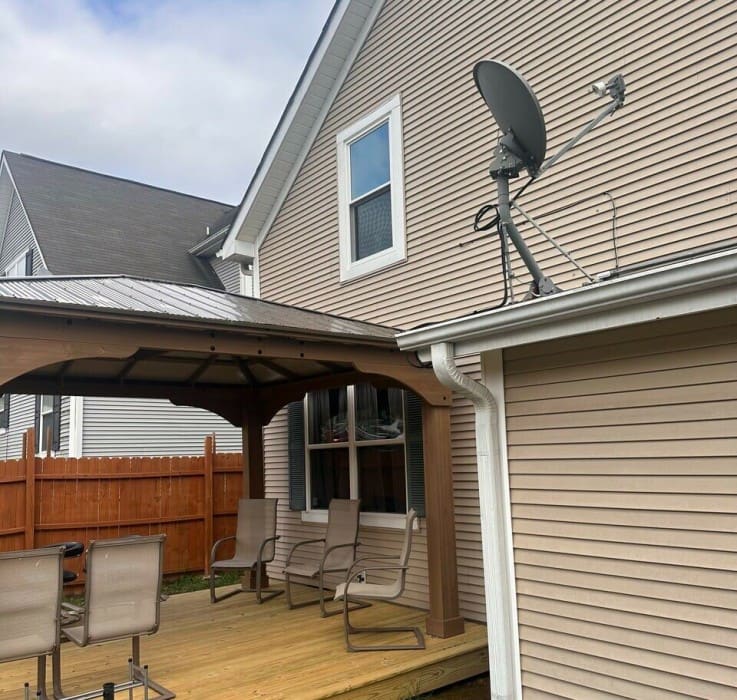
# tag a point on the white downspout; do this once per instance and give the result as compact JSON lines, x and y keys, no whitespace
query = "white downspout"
{"x":496,"y":535}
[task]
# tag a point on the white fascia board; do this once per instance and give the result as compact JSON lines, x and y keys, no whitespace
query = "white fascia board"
{"x":325,"y":72}
{"x":239,"y":250}
{"x":702,"y":284}
{"x":5,"y":166}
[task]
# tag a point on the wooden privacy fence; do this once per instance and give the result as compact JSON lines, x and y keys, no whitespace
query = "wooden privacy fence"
{"x":193,"y":500}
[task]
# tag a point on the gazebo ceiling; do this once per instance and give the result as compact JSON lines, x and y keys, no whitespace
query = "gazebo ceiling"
{"x":117,"y":336}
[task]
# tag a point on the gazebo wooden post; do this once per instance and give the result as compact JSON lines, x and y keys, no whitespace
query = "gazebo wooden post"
{"x":444,"y":619}
{"x":254,"y":486}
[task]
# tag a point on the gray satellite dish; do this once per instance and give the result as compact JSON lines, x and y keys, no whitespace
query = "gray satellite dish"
{"x":515,"y":109}
{"x":523,"y":143}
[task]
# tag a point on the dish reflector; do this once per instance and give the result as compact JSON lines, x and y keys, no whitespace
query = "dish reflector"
{"x":514,"y":108}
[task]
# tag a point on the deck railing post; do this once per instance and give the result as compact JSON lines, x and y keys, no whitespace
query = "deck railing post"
{"x":208,"y":505}
{"x":29,"y":457}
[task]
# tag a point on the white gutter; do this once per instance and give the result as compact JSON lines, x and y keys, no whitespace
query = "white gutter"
{"x":694,"y":286}
{"x":496,"y":534}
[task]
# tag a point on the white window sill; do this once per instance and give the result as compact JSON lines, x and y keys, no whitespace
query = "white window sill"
{"x":392,"y":521}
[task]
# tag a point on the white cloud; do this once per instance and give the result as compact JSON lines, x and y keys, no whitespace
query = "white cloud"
{"x":179,"y":93}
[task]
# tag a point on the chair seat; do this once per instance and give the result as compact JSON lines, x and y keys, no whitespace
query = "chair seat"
{"x":369,"y":590}
{"x":308,"y":570}
{"x":233,"y":564}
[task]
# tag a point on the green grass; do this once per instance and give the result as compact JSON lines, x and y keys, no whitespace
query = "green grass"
{"x":196,"y":582}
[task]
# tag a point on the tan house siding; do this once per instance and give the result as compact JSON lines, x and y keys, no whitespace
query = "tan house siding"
{"x":635,"y":173}
{"x":622,"y":452}
{"x":665,"y":157}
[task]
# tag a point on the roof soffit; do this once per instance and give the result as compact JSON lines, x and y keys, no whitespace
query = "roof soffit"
{"x":342,"y":37}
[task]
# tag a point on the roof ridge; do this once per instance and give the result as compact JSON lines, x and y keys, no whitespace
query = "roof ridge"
{"x":117,"y":178}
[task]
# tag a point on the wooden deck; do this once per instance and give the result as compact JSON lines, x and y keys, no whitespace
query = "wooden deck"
{"x":237,"y":649}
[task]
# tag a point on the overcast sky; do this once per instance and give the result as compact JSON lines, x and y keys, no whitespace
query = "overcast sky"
{"x":182,"y":94}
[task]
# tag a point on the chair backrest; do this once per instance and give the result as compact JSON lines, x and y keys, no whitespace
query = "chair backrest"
{"x":123,"y":589}
{"x":407,"y":544}
{"x":256,"y":522}
{"x":30,"y":602}
{"x":343,"y":520}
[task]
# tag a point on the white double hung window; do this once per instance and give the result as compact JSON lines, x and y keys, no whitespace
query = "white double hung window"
{"x":371,"y":192}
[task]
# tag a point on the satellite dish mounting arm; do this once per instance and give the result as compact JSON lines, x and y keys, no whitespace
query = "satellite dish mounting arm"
{"x":508,"y":159}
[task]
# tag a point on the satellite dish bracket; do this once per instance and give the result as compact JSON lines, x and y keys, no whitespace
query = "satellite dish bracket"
{"x":509,"y":158}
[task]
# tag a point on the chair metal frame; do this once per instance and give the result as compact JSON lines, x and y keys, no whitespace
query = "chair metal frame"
{"x":41,"y":653}
{"x":371,"y":591}
{"x":326,"y":553}
{"x":138,"y":674}
{"x":257,"y":564}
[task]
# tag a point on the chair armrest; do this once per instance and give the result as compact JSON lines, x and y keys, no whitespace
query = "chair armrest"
{"x":299,"y":544}
{"x":358,"y":563}
{"x":217,"y":544}
{"x":263,"y":545}
{"x":330,"y":550}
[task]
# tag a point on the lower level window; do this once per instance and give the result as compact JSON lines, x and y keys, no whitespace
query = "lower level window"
{"x":47,"y":417}
{"x":356,"y":448}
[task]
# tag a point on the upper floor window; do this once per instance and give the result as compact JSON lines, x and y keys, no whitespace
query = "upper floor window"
{"x":22,"y":266}
{"x":371,"y":192}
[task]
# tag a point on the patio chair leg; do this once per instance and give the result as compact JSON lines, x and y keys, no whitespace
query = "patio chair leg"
{"x":41,"y":678}
{"x":349,"y":629}
{"x":324,"y":612}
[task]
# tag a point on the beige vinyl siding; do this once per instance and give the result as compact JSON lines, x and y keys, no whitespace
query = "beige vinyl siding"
{"x":655,"y":172}
{"x":622,"y":459}
{"x":664,"y":157}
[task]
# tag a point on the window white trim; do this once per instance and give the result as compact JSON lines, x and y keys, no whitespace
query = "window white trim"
{"x":76,"y":425}
{"x":20,"y":258}
{"x":390,"y":112}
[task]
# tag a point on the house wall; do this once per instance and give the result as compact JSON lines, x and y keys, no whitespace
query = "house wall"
{"x":647,"y":182}
{"x":115,"y":426}
{"x":229,"y":273}
{"x":622,"y":458}
{"x":18,"y":236}
{"x":6,"y":195}
{"x":21,"y":418}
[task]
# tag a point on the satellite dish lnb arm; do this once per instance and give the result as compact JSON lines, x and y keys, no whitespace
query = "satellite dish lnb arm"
{"x":541,"y":285}
{"x":615,"y":89}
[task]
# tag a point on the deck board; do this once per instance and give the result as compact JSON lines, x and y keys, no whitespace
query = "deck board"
{"x":236,"y":650}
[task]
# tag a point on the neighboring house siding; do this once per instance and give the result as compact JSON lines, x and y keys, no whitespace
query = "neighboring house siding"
{"x":622,"y":455}
{"x":151,"y":427}
{"x":6,"y":195}
{"x":18,"y":237}
{"x":229,"y":273}
{"x":21,"y":418}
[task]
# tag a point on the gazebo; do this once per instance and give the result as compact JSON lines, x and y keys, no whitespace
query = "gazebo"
{"x":239,"y":357}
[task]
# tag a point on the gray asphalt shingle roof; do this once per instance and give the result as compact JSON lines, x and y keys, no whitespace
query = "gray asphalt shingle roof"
{"x":89,"y":223}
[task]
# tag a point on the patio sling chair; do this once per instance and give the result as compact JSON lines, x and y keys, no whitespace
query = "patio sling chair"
{"x":30,"y":605}
{"x":354,"y":591}
{"x":121,"y":599}
{"x":338,"y":552}
{"x":254,"y":546}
